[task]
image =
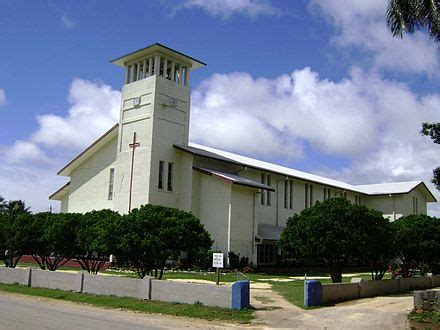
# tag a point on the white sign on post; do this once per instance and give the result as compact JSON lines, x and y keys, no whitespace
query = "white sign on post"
{"x":217,"y":260}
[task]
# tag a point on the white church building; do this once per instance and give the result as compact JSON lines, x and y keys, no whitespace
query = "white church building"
{"x":243,"y":202}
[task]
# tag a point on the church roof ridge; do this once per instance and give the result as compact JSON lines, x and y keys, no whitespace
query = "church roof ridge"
{"x":368,"y":189}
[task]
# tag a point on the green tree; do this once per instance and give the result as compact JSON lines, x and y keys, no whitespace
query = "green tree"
{"x":14,"y":230}
{"x":95,"y":239}
{"x":15,"y":208}
{"x":14,"y":237}
{"x":336,"y":233}
{"x":3,"y":204}
{"x":53,"y":238}
{"x":409,"y":16}
{"x":322,"y":233}
{"x":433,"y":130}
{"x":417,"y":238}
{"x":374,"y":236}
{"x":152,"y":234}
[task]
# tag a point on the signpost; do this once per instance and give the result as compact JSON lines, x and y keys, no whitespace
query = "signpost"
{"x":217,"y":262}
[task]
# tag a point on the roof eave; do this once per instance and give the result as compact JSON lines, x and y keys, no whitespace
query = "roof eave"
{"x":75,"y":162}
{"x":60,"y":192}
{"x":120,"y":61}
{"x":246,"y":184}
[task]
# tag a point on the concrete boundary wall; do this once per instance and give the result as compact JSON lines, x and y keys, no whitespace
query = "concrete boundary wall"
{"x":15,"y":276}
{"x":344,"y":291}
{"x":359,"y":288}
{"x":116,"y":286}
{"x":55,"y":280}
{"x":191,"y":293}
{"x":377,"y":288}
{"x":235,"y":296}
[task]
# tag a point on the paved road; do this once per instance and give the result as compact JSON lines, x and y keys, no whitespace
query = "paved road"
{"x":26,"y":312}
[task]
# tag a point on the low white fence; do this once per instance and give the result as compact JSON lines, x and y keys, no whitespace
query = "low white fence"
{"x":359,"y":288}
{"x":228,"y":296}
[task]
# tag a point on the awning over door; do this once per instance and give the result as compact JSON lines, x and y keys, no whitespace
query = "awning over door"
{"x":269,"y":232}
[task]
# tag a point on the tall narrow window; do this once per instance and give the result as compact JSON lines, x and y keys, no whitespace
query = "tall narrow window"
{"x":356,"y":202}
{"x":286,"y":193}
{"x":327,"y":194}
{"x":269,"y":193}
{"x":263,"y":192}
{"x":311,"y":195}
{"x":170,"y":177}
{"x":306,"y":195}
{"x":111,"y":184}
{"x":161,"y":169}
{"x":291,"y":194}
{"x":415,"y":205}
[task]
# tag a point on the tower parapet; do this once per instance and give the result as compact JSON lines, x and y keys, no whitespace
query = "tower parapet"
{"x":159,"y":60}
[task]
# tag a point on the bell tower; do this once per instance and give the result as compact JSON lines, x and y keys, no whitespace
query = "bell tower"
{"x":155,"y":110}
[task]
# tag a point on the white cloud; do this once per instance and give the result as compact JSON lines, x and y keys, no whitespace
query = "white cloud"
{"x":27,"y":172}
{"x":23,"y":152}
{"x":94,"y":109}
{"x":372,"y":121}
{"x":226,"y":8}
{"x":362,"y":24}
{"x":30,"y":183}
{"x":2,"y":97}
{"x":67,"y":22}
{"x":285,"y":111}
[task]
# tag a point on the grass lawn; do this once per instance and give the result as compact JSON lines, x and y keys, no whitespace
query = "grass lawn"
{"x":294,"y":291}
{"x":22,"y":264}
{"x":207,"y":276}
{"x":145,"y":306}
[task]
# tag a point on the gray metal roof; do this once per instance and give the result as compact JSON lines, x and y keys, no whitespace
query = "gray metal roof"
{"x":385,"y":188}
{"x":236,"y":179}
{"x":205,"y":153}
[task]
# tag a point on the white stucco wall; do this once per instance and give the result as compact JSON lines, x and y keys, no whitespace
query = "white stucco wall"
{"x":396,"y":206}
{"x":211,"y":204}
{"x":243,"y":227}
{"x":64,"y":208}
{"x":89,"y":183}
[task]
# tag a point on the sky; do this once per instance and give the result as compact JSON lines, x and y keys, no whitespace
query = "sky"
{"x":320,"y":86}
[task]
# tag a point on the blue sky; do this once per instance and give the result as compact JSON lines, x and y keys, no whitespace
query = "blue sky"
{"x":321,"y":86}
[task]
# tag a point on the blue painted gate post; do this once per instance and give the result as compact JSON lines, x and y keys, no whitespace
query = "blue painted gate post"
{"x":240,"y":295}
{"x":312,"y":293}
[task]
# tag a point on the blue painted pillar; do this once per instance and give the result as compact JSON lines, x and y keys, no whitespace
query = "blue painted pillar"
{"x":312,"y":293}
{"x":240,"y":295}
